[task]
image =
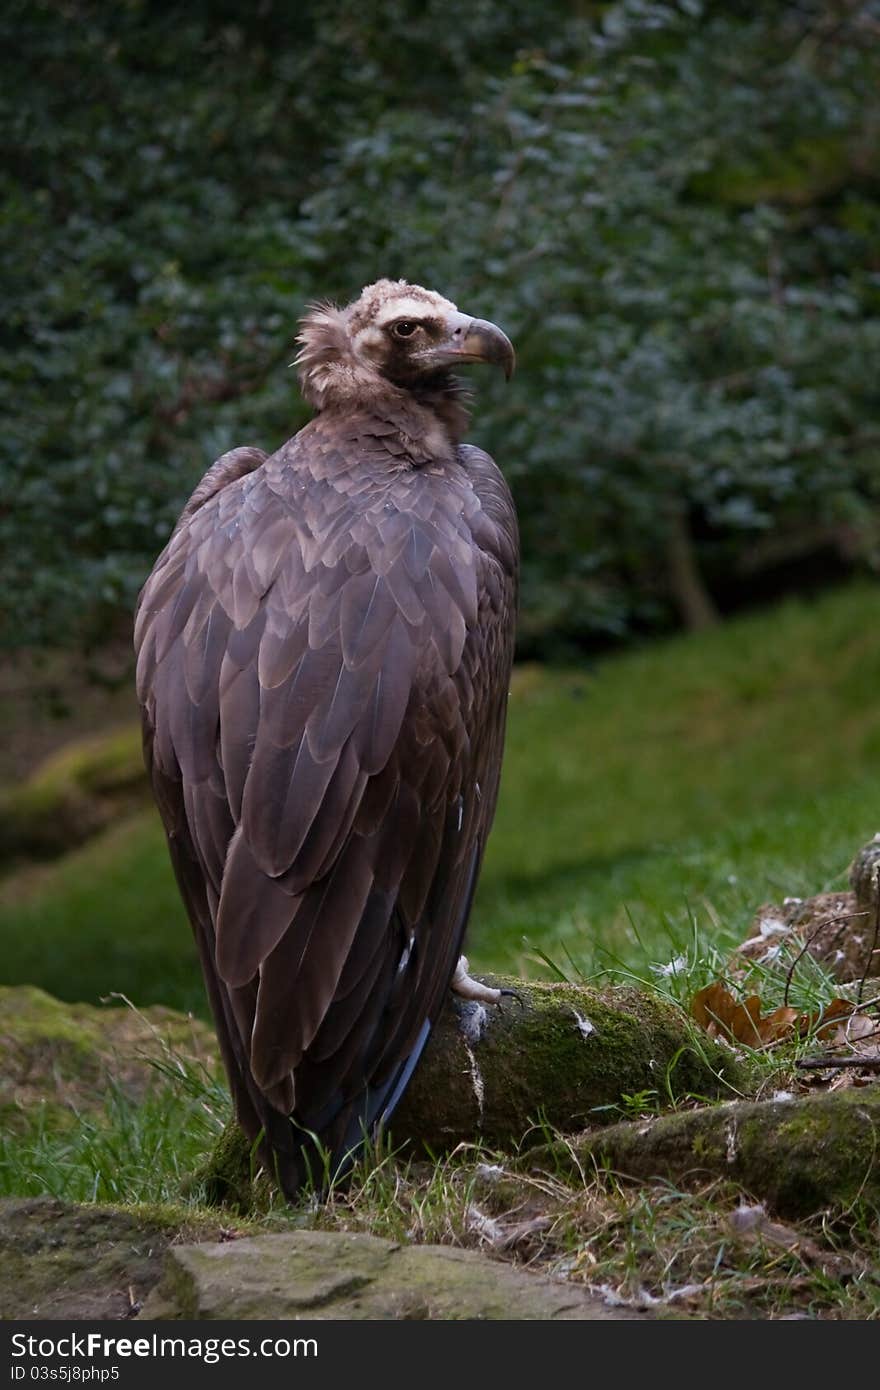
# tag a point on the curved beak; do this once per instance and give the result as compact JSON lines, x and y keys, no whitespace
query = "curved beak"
{"x":472,"y":340}
{"x":485,"y":342}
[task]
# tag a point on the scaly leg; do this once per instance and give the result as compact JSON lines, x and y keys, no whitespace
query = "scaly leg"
{"x":466,"y":987}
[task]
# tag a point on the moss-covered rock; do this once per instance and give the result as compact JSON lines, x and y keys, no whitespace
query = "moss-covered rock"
{"x":564,"y":1056}
{"x":231,"y":1175}
{"x":61,"y":1056}
{"x":323,"y":1274}
{"x":60,"y":1260}
{"x":73,"y":794}
{"x":800,"y":1155}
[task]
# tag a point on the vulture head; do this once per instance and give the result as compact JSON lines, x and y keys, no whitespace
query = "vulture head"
{"x":395,"y":337}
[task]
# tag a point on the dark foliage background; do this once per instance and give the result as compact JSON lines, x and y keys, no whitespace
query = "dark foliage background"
{"x":674,"y":209}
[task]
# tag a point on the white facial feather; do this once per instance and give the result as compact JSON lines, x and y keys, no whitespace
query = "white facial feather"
{"x":408,"y":307}
{"x":370,"y":341}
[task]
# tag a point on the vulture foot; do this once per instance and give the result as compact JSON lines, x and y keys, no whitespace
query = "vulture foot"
{"x":466,"y":987}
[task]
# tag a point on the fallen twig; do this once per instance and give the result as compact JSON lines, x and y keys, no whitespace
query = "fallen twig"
{"x":820,"y":1063}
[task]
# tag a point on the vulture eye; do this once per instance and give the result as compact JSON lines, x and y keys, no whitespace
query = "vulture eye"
{"x":404,"y":329}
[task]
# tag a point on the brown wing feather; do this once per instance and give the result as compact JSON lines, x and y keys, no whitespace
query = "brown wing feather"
{"x":324,"y":649}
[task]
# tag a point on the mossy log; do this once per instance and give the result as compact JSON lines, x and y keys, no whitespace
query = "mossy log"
{"x":561,"y":1056}
{"x":799,"y":1155}
{"x":76,"y":793}
{"x":564,"y":1056}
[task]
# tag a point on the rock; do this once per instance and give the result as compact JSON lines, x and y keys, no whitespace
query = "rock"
{"x":324,"y":1275}
{"x":561,"y":1053}
{"x":61,"y":1260}
{"x":864,"y":879}
{"x":75,"y":793}
{"x":834,"y":928}
{"x":61,"y":1056}
{"x":800,"y":1155}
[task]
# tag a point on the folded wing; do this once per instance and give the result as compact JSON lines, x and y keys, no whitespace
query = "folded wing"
{"x":324,"y":686}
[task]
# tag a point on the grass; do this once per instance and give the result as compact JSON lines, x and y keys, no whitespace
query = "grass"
{"x":704,"y":1252}
{"x":124,"y":1114}
{"x":128,"y":1151}
{"x":105,"y":918}
{"x":686,"y":782}
{"x":698,"y":778}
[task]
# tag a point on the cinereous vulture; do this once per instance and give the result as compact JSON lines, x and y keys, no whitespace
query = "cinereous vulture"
{"x":324,"y":650}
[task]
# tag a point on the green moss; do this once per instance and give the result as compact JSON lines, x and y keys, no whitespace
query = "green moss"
{"x":30,"y":1014}
{"x":61,"y":1260}
{"x":228,"y":1178}
{"x":63,"y":1055}
{"x":101,"y":762}
{"x":73,"y":794}
{"x":800,"y":1156}
{"x":345,"y":1275}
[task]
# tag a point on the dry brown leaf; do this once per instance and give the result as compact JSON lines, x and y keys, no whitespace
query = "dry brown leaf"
{"x":824,"y":1021}
{"x":858,"y":1029}
{"x":778,"y":1024}
{"x":716,"y":1010}
{"x":713,"y":1006}
{"x":840,"y":1036}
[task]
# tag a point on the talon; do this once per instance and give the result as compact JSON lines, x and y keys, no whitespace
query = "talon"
{"x":512,"y":994}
